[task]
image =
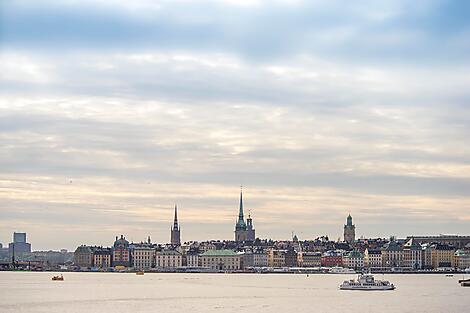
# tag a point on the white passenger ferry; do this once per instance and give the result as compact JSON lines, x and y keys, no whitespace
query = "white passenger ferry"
{"x":366,"y":282}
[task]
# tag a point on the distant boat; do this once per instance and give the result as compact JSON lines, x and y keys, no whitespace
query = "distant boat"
{"x":341,"y":270}
{"x":140,"y":273}
{"x":449,"y":275}
{"x":465,"y":282}
{"x":57,"y":277}
{"x":366,"y":282}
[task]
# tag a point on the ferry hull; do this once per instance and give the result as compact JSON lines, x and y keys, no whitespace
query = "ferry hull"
{"x":367,"y":288}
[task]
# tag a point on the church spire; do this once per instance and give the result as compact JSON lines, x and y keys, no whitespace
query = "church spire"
{"x":175,"y":221}
{"x":240,"y":213}
{"x":175,"y":230}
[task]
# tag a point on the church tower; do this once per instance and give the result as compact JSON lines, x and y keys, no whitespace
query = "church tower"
{"x":349,"y":230}
{"x":175,"y":230}
{"x":240,"y":226}
{"x":250,"y":231}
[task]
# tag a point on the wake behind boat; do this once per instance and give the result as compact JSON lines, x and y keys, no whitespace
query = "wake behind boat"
{"x":366,"y":282}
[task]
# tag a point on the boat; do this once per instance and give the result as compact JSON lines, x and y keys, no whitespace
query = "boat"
{"x":57,"y":277}
{"x":341,"y":270}
{"x":465,"y":282}
{"x":366,"y":282}
{"x":449,"y":275}
{"x":140,"y":273}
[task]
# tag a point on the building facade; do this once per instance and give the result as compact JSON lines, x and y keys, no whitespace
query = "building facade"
{"x":392,"y":254}
{"x":260,"y":258}
{"x":309,"y":259}
{"x":83,"y":256}
{"x":353,"y":259}
{"x":168,"y":259}
{"x":102,"y":258}
{"x":221,"y":260}
{"x":121,"y":252}
{"x":276,"y":258}
{"x":143,"y":257}
{"x":442,"y":255}
{"x":373,"y":258}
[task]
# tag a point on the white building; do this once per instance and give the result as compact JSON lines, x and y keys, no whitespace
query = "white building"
{"x":221,"y":260}
{"x":168,"y":259}
{"x":143,"y":257}
{"x":192,"y":259}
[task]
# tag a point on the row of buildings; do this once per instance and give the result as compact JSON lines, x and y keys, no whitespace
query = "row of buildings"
{"x":246,"y":251}
{"x":230,"y":256}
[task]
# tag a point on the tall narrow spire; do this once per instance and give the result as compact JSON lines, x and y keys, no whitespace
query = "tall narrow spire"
{"x":175,"y":230}
{"x":175,"y":221}
{"x":240,"y":213}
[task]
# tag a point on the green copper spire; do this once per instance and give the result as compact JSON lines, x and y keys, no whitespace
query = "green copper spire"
{"x":241,"y":219}
{"x":240,"y":213}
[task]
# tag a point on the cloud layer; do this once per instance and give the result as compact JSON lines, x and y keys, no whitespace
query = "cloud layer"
{"x":112,"y":112}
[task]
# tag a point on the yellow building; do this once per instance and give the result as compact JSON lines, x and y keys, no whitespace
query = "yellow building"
{"x":442,"y":255}
{"x":276,"y":258}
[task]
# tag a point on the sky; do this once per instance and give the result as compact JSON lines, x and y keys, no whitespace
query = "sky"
{"x":113,"y":111}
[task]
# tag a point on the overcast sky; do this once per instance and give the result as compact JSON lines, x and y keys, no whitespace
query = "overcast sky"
{"x":113,"y":111}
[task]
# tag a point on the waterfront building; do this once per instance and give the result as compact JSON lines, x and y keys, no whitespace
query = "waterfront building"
{"x":290,"y":258}
{"x":412,"y":255}
{"x":260,"y":258}
{"x":309,"y":259}
{"x":247,"y":259}
{"x":426,"y":253}
{"x":373,"y":258}
{"x":83,"y":256}
{"x":332,"y":258}
{"x":462,"y":259}
{"x":175,"y":230}
{"x":221,"y":260}
{"x":240,"y":226}
{"x":353,"y":259}
{"x":349,"y":230}
{"x":102,"y":258}
{"x":442,"y":255}
{"x":143,"y":257}
{"x":392,"y":254}
{"x":458,"y":242}
{"x":276,"y":258}
{"x":19,"y":246}
{"x":121,"y":252}
{"x":192,"y":258}
{"x":168,"y":259}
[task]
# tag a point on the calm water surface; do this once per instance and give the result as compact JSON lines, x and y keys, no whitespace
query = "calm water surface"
{"x":116,"y":292}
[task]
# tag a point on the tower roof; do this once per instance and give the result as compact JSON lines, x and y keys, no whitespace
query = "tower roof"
{"x":241,"y":219}
{"x":175,"y":221}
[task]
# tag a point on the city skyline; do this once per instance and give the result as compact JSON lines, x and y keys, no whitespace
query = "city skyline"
{"x":111,"y":112}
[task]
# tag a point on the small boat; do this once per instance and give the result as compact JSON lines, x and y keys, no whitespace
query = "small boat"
{"x":465,"y":282}
{"x":366,"y":282}
{"x":449,"y":275}
{"x":140,"y":273}
{"x":57,"y":277}
{"x":341,"y":270}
